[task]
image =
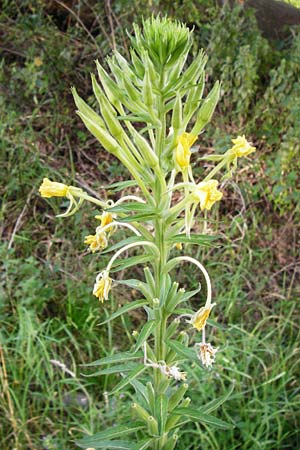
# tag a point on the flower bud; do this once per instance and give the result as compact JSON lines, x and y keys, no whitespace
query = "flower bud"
{"x":86,"y":109}
{"x":147,"y":91}
{"x":177,"y":113}
{"x":101,"y":134}
{"x":176,"y":398}
{"x":152,"y":426}
{"x":140,"y":412}
{"x":207,"y":109}
{"x":107,"y":111}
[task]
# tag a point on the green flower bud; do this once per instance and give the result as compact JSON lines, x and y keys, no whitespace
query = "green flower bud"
{"x":176,"y":121}
{"x":145,"y":149}
{"x":176,"y":398}
{"x":152,"y":426}
{"x":107,"y":111}
{"x":101,"y":134}
{"x":151,"y":395}
{"x":113,"y":92}
{"x":85,"y":109}
{"x":207,"y":109}
{"x":140,"y":412}
{"x":171,"y":443}
{"x":147,"y":90}
{"x":193,"y":99}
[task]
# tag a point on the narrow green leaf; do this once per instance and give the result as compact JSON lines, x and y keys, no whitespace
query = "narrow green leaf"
{"x":138,"y":218}
{"x":111,"y":433}
{"x":120,"y":244}
{"x":161,"y":411}
{"x":114,"y":369}
{"x":131,"y":376}
{"x":140,"y":389}
{"x":198,"y":239}
{"x":120,"y":185}
{"x":124,"y":309}
{"x":195,"y":414}
{"x":118,"y":445}
{"x":121,"y":264}
{"x":133,"y":206}
{"x":117,"y":358}
{"x":182,"y":350}
{"x":214,"y":404}
{"x":143,"y":445}
{"x":144,"y":334}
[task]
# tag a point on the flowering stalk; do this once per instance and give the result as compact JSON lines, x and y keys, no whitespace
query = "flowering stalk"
{"x":156,"y":89}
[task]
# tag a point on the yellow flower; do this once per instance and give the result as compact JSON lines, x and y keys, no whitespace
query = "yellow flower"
{"x":50,"y":189}
{"x":206,"y":193}
{"x":96,"y":241}
{"x":102,"y":286}
{"x":38,"y":61}
{"x":199,"y":319}
{"x":106,"y":218}
{"x":241,"y":147}
{"x":183,"y":152}
{"x":207,"y":354}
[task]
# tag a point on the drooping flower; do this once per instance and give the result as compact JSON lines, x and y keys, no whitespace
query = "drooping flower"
{"x":102,"y":286}
{"x":50,"y":189}
{"x":241,"y":147}
{"x":199,"y":319}
{"x":175,"y":373}
{"x":106,"y":218}
{"x":183,"y":152}
{"x":96,"y":241}
{"x":206,"y":193}
{"x":206,"y":353}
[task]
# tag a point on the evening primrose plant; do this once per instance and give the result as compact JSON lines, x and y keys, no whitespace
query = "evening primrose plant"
{"x":160,"y":91}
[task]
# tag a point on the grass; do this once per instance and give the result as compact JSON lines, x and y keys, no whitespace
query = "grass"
{"x":47,"y":310}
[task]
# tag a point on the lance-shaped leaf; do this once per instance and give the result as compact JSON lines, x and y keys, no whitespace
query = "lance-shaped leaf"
{"x":125,"y":309}
{"x":118,"y":445}
{"x":161,"y":411}
{"x":120,"y":185}
{"x":144,"y":444}
{"x":122,"y":243}
{"x":182,"y":350}
{"x":121,"y":264}
{"x":214,"y":404}
{"x":144,"y":334}
{"x":114,"y":369}
{"x":133,"y":206}
{"x":114,"y":359}
{"x":131,"y":376}
{"x":112,"y":433}
{"x":198,"y":239}
{"x":195,"y":414}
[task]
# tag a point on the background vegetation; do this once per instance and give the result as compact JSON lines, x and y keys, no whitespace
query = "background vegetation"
{"x":47,"y":310}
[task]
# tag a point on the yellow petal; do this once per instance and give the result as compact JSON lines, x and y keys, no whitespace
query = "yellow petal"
{"x":183,"y":152}
{"x":50,"y":189}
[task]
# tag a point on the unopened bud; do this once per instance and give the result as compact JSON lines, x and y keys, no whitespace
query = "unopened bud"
{"x":207,"y":109}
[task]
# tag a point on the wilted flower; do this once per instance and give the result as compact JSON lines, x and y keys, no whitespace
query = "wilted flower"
{"x":96,"y":241}
{"x":183,"y":152}
{"x":206,"y":193}
{"x":105,"y":218}
{"x":200,"y":317}
{"x":206,"y":353}
{"x":175,"y":373}
{"x":102,"y":286}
